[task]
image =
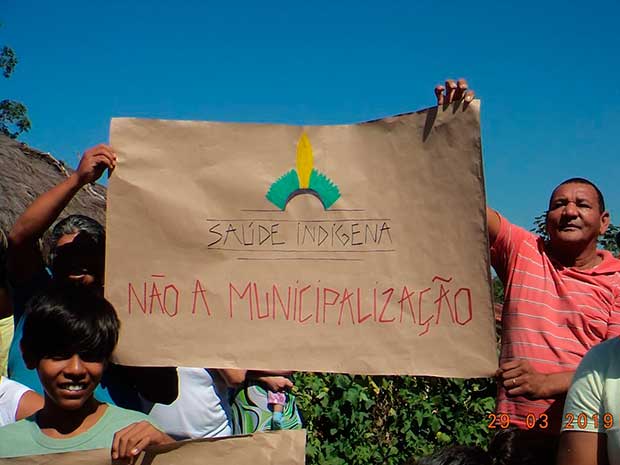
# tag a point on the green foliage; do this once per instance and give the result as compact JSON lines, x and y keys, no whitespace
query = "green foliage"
{"x":539,"y":227}
{"x":498,"y":290}
{"x":13,"y":118}
{"x":355,"y":420}
{"x":13,"y":115}
{"x":608,"y":240}
{"x":8,"y":61}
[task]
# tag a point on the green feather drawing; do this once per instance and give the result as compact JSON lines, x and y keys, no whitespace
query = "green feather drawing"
{"x":280,"y":190}
{"x":296,"y":182}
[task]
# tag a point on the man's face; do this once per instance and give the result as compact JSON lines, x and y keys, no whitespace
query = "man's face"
{"x":78,"y":260}
{"x":574,"y":218}
{"x":69,"y":381}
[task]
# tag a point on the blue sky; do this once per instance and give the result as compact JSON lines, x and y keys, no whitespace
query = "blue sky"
{"x":546,"y":72}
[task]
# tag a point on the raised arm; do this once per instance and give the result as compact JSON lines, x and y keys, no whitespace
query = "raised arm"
{"x":24,"y":257}
{"x":273,"y":380}
{"x":276,"y":380}
{"x":233,"y":377}
{"x":453,"y":91}
{"x":493,"y":224}
{"x":29,"y":403}
{"x":6,"y":308}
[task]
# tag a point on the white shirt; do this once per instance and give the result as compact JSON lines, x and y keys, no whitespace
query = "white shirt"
{"x":11,"y":393}
{"x":200,"y":411}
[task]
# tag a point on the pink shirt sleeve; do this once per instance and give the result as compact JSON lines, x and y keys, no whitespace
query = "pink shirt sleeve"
{"x":505,"y":248}
{"x":613,"y":326}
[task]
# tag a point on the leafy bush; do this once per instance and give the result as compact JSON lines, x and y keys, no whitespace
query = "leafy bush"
{"x":355,"y":420}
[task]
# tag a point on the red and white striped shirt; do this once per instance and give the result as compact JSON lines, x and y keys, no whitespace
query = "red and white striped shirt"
{"x":552,"y":315}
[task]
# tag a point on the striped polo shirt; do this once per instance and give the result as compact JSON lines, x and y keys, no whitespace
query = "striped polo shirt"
{"x":552,"y":315}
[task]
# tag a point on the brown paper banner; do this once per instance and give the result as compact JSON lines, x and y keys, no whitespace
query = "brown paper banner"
{"x":273,"y":448}
{"x":358,"y":248}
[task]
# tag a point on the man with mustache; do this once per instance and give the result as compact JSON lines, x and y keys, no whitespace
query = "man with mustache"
{"x":562,"y":296}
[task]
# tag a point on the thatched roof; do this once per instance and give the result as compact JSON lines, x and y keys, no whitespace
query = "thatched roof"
{"x":25,"y":173}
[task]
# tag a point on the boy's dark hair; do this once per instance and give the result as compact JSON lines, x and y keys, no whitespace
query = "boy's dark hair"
{"x":76,"y":224}
{"x":601,"y":199}
{"x":458,"y":455}
{"x":67,"y":320}
{"x":514,"y":446}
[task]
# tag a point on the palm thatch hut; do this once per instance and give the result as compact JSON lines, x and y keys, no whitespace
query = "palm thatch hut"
{"x":26,"y":173}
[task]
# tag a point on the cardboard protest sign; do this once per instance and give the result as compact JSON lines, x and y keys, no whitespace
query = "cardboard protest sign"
{"x":357,"y":248}
{"x":273,"y":448}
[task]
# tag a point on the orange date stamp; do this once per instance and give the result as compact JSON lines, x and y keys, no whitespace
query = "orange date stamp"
{"x":503,"y":421}
{"x":574,"y":421}
{"x":582,"y":420}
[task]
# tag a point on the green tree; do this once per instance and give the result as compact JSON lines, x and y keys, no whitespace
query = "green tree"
{"x":364,"y":420}
{"x":13,"y":115}
{"x":498,"y":290}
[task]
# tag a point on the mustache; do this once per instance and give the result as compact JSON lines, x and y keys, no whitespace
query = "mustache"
{"x":568,"y":223}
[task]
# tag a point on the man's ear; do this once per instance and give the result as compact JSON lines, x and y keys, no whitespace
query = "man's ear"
{"x":605,"y":220}
{"x":30,"y":361}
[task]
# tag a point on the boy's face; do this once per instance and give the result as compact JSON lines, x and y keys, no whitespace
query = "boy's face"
{"x":70,"y":382}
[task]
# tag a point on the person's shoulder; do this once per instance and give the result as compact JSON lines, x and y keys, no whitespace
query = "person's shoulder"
{"x":15,"y":436}
{"x":9,"y":387}
{"x":18,"y":426}
{"x":512,"y":235}
{"x":11,"y":393}
{"x":608,"y":347}
{"x":609,"y":264}
{"x":602,"y":357}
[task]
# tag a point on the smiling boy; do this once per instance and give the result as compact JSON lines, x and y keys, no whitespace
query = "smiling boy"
{"x":68,"y":337}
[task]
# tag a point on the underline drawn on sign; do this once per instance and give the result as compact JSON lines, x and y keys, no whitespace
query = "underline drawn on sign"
{"x":303,"y":258}
{"x":314,"y":251}
{"x":280,"y":211}
{"x":276,"y":220}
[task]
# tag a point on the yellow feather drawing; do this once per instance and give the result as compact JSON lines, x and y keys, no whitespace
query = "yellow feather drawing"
{"x":304,"y":161}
